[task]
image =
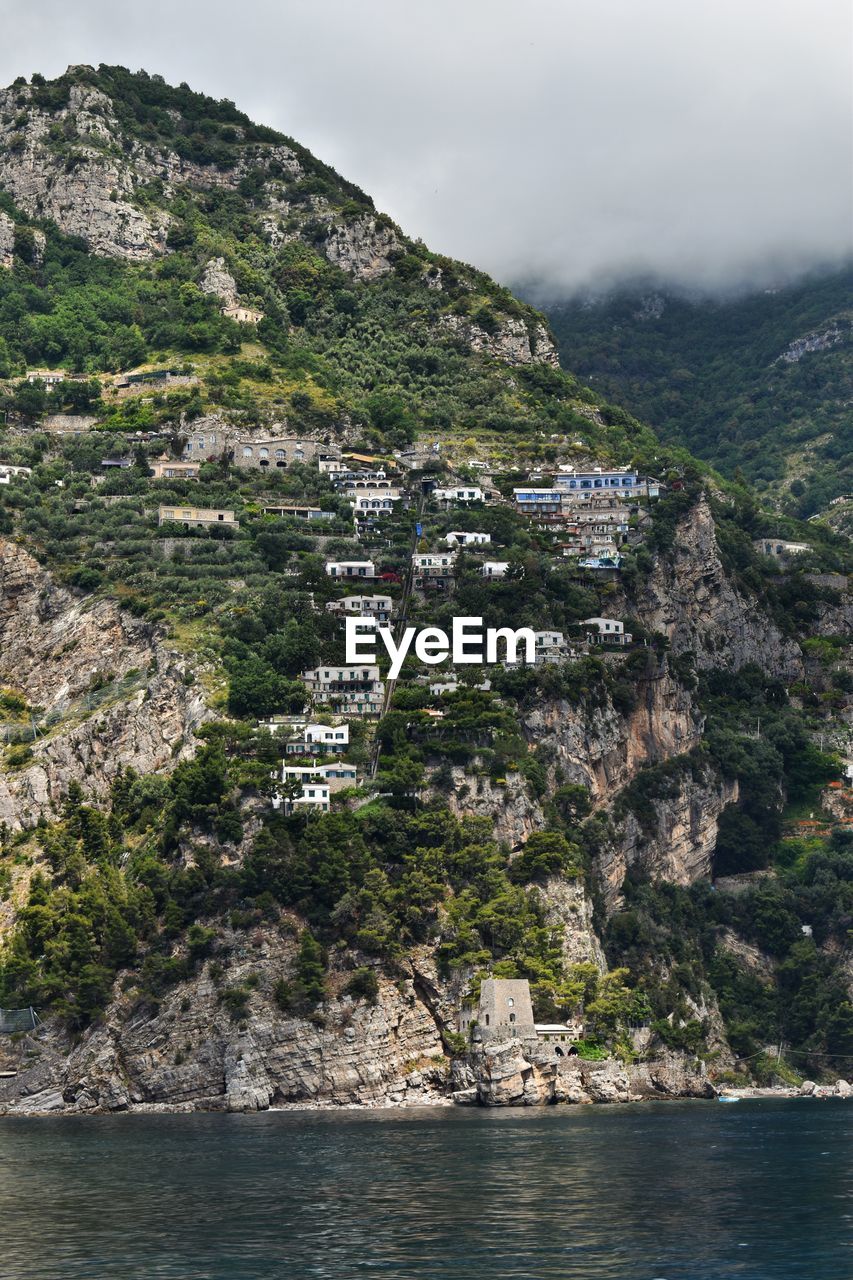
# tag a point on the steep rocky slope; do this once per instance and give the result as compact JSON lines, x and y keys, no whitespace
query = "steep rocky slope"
{"x":189,"y":946}
{"x":104,"y":692}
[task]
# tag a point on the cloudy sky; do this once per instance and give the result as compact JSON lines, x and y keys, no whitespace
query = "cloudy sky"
{"x":569,"y":142}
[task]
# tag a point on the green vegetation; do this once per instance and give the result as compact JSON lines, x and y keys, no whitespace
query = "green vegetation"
{"x":709,"y":375}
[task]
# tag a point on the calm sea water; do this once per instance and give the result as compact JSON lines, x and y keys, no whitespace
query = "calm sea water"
{"x":694,"y":1191}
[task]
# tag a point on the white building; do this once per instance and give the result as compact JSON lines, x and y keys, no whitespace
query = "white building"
{"x":372,"y":502}
{"x":9,"y":472}
{"x":461,"y":538}
{"x":350,"y":568}
{"x":346,"y":478}
{"x":336,"y":776}
{"x":779,"y":549}
{"x":617,"y":480}
{"x":459,"y":493}
{"x":353,"y":690}
{"x":494,"y":568}
{"x":379,"y":608}
{"x":319,"y":740}
{"x":315,"y":796}
{"x":433,"y":560}
{"x":550,"y":646}
{"x":606,"y":631}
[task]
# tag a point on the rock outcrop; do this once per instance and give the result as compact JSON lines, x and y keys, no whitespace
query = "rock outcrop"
{"x":190,"y":1052}
{"x":519,"y":1073}
{"x":514,"y":340}
{"x":363,"y":247}
{"x":105,"y":690}
{"x":84,"y":187}
{"x":218,"y":280}
{"x":603,"y":749}
{"x":7,"y":240}
{"x":677,"y":845}
{"x":691,"y":600}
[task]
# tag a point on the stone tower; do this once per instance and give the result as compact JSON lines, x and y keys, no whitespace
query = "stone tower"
{"x":505,"y":1008}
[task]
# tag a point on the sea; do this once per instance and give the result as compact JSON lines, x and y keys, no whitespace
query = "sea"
{"x":754,"y":1190}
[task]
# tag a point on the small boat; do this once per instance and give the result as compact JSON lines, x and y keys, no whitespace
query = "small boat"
{"x":727,"y":1097}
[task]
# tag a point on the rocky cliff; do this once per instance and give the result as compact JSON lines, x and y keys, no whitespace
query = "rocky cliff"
{"x":691,"y":600}
{"x":191,"y":1052}
{"x":103,"y":690}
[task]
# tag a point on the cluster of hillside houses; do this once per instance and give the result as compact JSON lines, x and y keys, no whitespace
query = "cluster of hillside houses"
{"x":586,"y":514}
{"x":587,"y":510}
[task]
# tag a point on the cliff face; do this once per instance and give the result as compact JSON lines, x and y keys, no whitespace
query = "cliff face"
{"x":104,"y":690}
{"x":690,"y":599}
{"x":677,"y":845}
{"x":190,"y":1052}
{"x":512,"y":341}
{"x":91,"y":197}
{"x":529,"y":1073}
{"x":602,"y":749}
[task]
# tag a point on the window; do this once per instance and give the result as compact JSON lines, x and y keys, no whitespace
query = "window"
{"x":512,"y":1017}
{"x":510,"y":1002}
{"x":280,"y":454}
{"x":263,"y":453}
{"x":247,"y":452}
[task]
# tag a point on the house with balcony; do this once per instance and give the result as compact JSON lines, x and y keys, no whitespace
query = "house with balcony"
{"x":337,"y":776}
{"x":315,"y":797}
{"x":494,"y":569}
{"x":319,"y":740}
{"x":350,"y":569}
{"x":373,"y":505}
{"x":534,"y":502}
{"x":609,"y":631}
{"x":453,"y":495}
{"x":377,"y":608}
{"x":618,"y":481}
{"x":346,"y":478}
{"x":433,"y":570}
{"x":351,"y":690}
{"x":166,"y":468}
{"x":197,"y":517}
{"x":295,"y":512}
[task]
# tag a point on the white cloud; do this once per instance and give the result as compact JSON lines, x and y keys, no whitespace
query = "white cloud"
{"x":561,"y":141}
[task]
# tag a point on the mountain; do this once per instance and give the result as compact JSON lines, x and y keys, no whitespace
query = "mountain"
{"x":228,"y":382}
{"x":759,"y":384}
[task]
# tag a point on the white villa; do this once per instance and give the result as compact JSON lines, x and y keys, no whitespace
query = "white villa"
{"x":459,"y":493}
{"x":460,"y":538}
{"x":336,"y":776}
{"x":319,"y":740}
{"x":606,"y":631}
{"x":379,"y":608}
{"x":315,"y":796}
{"x":353,"y":690}
{"x":350,"y":568}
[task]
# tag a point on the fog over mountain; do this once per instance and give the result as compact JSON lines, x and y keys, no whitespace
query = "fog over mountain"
{"x":560,"y":145}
